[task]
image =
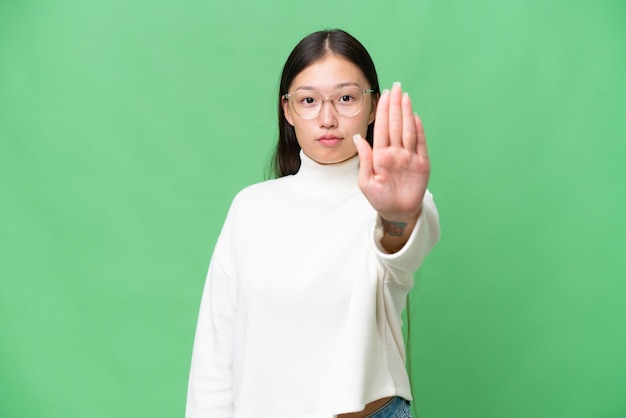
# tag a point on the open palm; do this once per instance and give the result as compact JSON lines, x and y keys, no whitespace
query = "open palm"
{"x":394,"y":173}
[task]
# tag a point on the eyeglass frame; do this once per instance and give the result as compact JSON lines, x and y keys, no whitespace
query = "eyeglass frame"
{"x":287,"y":96}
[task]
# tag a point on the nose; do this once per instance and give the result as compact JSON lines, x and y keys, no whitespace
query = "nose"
{"x":328,"y":114}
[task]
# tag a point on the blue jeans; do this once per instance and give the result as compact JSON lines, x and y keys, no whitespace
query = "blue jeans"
{"x":395,"y":408}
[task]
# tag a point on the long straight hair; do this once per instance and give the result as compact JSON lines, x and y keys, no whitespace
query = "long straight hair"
{"x":286,"y":158}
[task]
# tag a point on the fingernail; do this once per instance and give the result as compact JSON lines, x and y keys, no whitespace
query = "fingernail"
{"x":356,"y":137}
{"x":386,"y":91}
{"x":397,"y":83}
{"x":405,"y":94}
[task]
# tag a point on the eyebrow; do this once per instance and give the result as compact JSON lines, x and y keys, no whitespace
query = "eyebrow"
{"x":337,"y":86}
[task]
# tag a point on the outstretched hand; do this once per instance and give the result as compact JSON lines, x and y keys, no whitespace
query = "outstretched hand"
{"x":393,"y":174}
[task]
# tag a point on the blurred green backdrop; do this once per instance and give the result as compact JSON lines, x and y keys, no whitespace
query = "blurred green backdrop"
{"x":127,"y":127}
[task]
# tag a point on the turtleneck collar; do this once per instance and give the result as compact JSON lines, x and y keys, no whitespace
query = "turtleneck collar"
{"x":327,"y":178}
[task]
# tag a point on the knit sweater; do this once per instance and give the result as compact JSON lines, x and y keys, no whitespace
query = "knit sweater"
{"x":301,"y":311}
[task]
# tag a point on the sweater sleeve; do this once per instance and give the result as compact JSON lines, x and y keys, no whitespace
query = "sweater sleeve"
{"x":424,"y":236}
{"x":210,"y":390}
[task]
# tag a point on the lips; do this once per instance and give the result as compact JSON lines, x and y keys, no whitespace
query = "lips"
{"x":328,"y":140}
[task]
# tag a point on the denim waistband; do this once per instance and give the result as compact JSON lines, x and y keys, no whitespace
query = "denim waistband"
{"x":396,"y":408}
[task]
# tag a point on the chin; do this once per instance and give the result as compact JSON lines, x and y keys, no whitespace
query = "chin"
{"x":336,"y":159}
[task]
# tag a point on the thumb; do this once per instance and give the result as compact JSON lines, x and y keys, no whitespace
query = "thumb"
{"x":365,"y":158}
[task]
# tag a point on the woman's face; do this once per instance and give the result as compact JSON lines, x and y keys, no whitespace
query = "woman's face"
{"x":327,"y":138}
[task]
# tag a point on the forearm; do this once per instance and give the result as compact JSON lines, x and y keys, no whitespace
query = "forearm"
{"x":396,"y":232}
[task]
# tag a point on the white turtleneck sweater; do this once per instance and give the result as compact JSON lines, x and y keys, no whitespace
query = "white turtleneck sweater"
{"x":301,"y":310}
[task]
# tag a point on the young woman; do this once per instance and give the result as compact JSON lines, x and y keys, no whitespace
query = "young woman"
{"x":301,"y":312}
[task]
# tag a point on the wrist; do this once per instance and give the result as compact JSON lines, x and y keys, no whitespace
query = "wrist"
{"x":400,"y":218}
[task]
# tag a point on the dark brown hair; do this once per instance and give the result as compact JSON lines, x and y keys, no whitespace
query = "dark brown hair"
{"x":286,"y":158}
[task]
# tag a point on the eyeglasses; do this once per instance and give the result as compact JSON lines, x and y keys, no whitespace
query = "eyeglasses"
{"x":347,"y":101}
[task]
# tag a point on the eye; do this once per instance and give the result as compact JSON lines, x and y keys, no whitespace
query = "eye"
{"x":307,"y":101}
{"x":346,"y":98}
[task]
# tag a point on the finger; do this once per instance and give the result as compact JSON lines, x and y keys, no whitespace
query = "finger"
{"x":365,"y":159}
{"x":409,"y":128}
{"x":381,"y":124}
{"x":422,"y":149}
{"x":395,"y":115}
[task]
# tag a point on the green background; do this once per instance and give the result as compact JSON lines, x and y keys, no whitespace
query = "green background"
{"x":127,"y":127}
